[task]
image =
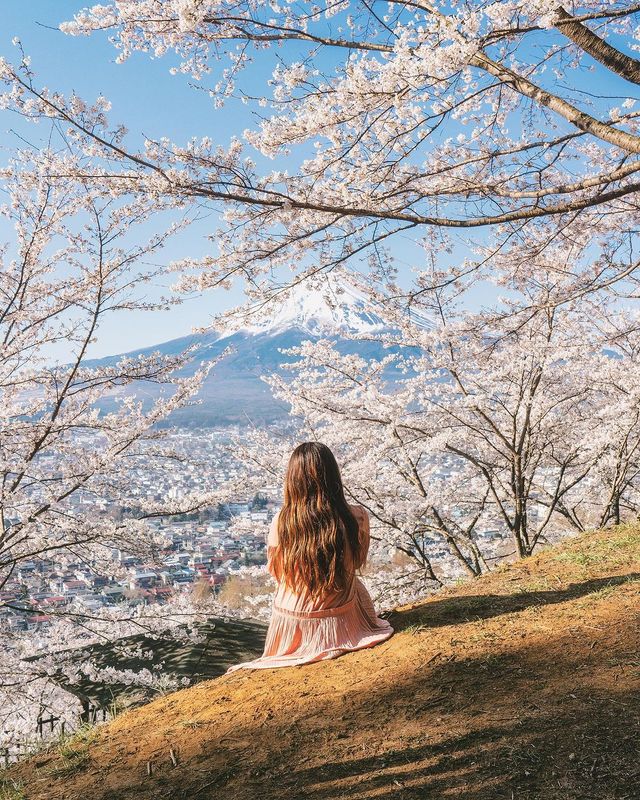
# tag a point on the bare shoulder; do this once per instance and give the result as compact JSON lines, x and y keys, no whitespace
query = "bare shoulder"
{"x":272,"y":538}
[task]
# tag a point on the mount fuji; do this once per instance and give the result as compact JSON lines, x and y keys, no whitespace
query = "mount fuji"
{"x":234,"y":392}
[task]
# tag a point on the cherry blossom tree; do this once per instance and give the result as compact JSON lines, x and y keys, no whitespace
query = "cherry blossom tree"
{"x":424,"y":120}
{"x":475,"y":426}
{"x":73,"y":264}
{"x":412,"y":495}
{"x":609,"y":495}
{"x":73,"y":435}
{"x":500,"y":139}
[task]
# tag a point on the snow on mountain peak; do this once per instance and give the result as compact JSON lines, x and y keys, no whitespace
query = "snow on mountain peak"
{"x":327,"y":311}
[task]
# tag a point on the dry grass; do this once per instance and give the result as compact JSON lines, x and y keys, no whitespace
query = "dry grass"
{"x":523,"y":685}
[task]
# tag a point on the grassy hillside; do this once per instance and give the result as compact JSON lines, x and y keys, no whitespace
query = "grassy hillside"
{"x":524,"y":684}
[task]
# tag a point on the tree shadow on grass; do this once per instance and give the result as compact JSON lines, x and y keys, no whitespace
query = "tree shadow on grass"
{"x":226,"y":642}
{"x":525,"y":724}
{"x":573,"y":755}
{"x":555,"y":720}
{"x":458,"y":610}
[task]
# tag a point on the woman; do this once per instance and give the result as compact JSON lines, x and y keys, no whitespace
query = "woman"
{"x":316,"y":543}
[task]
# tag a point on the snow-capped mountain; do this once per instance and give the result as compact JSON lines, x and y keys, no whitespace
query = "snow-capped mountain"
{"x":234,"y":391}
{"x":331,"y":311}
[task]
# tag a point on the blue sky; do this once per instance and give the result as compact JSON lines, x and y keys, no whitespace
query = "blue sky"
{"x":153,"y":103}
{"x":150,"y":102}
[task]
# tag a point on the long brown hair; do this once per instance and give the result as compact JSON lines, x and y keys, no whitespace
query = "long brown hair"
{"x":316,"y":527}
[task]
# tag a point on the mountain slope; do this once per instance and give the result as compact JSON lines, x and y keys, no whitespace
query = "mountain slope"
{"x":524,"y":684}
{"x":234,"y":391}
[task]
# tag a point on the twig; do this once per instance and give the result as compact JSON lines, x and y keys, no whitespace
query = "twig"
{"x":433,"y":658}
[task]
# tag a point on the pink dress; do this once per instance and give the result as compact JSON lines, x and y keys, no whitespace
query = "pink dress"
{"x":302,"y":630}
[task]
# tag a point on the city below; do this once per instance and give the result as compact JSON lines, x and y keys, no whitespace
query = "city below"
{"x":207,"y":548}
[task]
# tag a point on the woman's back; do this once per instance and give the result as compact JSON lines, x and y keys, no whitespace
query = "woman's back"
{"x":287,"y":598}
{"x":321,"y":609}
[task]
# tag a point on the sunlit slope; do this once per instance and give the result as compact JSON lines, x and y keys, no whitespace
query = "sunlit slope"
{"x":524,"y":684}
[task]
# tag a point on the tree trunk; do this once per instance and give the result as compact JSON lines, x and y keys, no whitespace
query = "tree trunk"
{"x":455,"y":551}
{"x":623,"y":65}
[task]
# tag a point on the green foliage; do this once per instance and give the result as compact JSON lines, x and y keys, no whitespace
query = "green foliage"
{"x":259,"y":502}
{"x":10,"y":789}
{"x":620,"y":547}
{"x":73,"y":751}
{"x":413,"y":629}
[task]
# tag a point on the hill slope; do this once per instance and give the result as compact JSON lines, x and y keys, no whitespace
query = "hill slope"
{"x":524,"y":684}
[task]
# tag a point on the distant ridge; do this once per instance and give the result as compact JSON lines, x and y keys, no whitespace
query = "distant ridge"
{"x":234,"y":392}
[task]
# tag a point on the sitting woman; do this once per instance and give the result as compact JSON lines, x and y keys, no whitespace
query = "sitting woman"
{"x":316,"y":543}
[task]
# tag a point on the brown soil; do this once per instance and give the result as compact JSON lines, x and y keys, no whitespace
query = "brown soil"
{"x":524,"y":684}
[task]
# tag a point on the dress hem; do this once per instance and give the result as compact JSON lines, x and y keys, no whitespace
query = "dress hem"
{"x":275,"y":662}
